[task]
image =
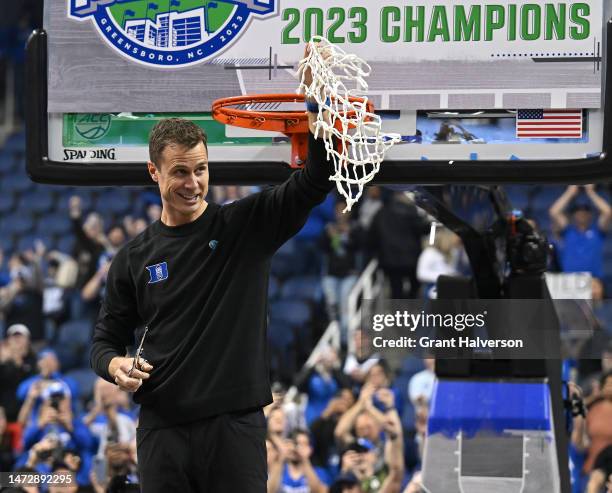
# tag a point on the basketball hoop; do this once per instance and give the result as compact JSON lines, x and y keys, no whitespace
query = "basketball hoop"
{"x":346,"y":119}
{"x":237,"y":111}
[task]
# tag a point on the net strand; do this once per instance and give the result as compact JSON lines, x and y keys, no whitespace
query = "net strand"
{"x":336,"y":77}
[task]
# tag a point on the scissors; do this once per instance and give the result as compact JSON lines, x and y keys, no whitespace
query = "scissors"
{"x":136,"y":362}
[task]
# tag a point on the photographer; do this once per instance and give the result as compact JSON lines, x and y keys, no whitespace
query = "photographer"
{"x":30,"y":389}
{"x":110,"y":426}
{"x":361,"y":459}
{"x":55,"y":431}
{"x":290,"y":467}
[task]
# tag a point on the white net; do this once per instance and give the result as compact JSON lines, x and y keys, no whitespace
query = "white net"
{"x":336,"y":78}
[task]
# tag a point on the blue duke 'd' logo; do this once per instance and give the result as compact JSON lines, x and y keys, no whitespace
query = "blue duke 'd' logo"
{"x":170,"y":33}
{"x":157,"y":272}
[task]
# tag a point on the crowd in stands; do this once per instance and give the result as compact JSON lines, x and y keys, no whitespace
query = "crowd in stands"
{"x":362,"y":426}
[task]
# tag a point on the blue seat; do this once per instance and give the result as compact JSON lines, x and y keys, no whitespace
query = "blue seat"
{"x":114,"y":201}
{"x":285,"y":265}
{"x":295,"y":313}
{"x":280,"y":335}
{"x":16,"y":142}
{"x":306,"y":288}
{"x":8,"y":163}
{"x":87,"y":202}
{"x":54,"y":224}
{"x":16,"y":224}
{"x":16,"y":183}
{"x":7,"y":203}
{"x":28,"y":242}
{"x":66,"y":244}
{"x":517,"y":194}
{"x":75,"y":332}
{"x":69,"y":355}
{"x":273,"y":288}
{"x":38,"y":202}
{"x":85,"y":379}
{"x":7,"y":245}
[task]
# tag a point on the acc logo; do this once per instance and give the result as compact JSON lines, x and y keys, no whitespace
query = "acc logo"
{"x":170,"y":33}
{"x":92,"y":126}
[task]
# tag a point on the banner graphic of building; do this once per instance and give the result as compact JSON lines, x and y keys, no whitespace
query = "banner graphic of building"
{"x":170,"y":29}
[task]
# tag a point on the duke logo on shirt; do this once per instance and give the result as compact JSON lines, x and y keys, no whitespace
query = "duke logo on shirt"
{"x":158,"y":272}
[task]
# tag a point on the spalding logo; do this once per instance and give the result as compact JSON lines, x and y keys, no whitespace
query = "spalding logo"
{"x":170,"y":33}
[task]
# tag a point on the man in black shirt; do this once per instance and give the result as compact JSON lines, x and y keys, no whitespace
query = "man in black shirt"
{"x":197,"y":279}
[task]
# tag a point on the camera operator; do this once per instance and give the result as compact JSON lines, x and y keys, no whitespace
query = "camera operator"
{"x":362,"y":459}
{"x":108,"y":424}
{"x":290,"y":467}
{"x":56,"y":430}
{"x":29,"y":390}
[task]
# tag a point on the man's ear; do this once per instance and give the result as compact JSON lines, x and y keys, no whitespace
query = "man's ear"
{"x":153,"y":171}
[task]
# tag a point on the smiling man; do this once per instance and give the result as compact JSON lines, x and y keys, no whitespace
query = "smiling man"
{"x":198,"y":279}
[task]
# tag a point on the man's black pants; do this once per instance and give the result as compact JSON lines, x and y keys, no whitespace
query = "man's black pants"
{"x":221,"y":454}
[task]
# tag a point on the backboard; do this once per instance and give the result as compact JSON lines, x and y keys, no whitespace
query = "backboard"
{"x":481,"y":93}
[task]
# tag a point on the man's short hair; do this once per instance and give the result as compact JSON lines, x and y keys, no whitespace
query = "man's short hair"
{"x":177,"y":131}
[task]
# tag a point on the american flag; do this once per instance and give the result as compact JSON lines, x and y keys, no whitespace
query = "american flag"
{"x":558,"y":124}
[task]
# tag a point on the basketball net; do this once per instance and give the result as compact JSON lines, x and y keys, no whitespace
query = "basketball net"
{"x":336,"y":76}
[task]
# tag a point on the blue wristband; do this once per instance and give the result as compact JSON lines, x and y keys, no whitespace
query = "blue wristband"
{"x":314,"y":107}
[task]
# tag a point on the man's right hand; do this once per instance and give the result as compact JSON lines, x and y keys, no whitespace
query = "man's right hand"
{"x":119,"y":369}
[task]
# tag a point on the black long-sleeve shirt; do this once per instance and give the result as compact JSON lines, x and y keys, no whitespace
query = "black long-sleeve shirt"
{"x":207,"y":335}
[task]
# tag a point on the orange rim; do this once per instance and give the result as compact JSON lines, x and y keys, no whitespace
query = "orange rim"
{"x":287,"y":122}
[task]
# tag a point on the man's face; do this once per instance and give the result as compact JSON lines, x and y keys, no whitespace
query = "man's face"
{"x":116,"y":237}
{"x":377,"y":377}
{"x":583,"y":219}
{"x":182,"y":176}
{"x":366,"y":427}
{"x":48,"y":364}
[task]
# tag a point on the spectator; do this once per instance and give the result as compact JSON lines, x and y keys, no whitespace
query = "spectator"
{"x":598,"y":421}
{"x":602,"y":469}
{"x":106,"y":421}
{"x":17,"y":362}
{"x":93,"y":291}
{"x":369,"y":206}
{"x":580,"y":241}
{"x":90,"y":240}
{"x":321,"y":382}
{"x":362,"y":460}
{"x":340,"y":243}
{"x":363,"y":419}
{"x":62,"y":271}
{"x":58,"y":432}
{"x":153,"y":212}
{"x":398,"y":248}
{"x":358,"y":363}
{"x":6,"y":447}
{"x":134,"y":226}
{"x":116,"y":238}
{"x":60,"y":469}
{"x":277,"y":423}
{"x":441,"y":258}
{"x":346,"y":483}
{"x":293,"y":463}
{"x":325,"y":452}
{"x":31,"y":389}
{"x":21,"y":299}
{"x":420,"y":387}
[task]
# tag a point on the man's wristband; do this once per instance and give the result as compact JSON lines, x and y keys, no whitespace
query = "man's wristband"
{"x":313,"y":106}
